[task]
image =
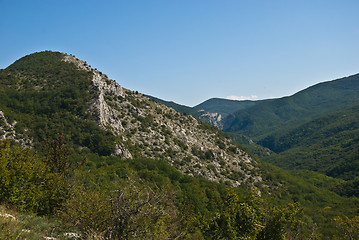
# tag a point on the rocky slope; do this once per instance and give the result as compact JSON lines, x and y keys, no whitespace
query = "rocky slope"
{"x":145,"y":128}
{"x":8,"y":131}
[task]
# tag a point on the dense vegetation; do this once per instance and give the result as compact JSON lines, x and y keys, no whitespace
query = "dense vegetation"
{"x":139,"y":198}
{"x":328,"y":145}
{"x":47,"y":96}
{"x":269,"y":116}
{"x":116,"y":198}
{"x":71,"y":181}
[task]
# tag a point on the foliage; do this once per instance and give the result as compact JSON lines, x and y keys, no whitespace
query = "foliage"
{"x":57,"y":155}
{"x":87,"y":210}
{"x":48,"y":96}
{"x":313,"y":191}
{"x":142,"y":212}
{"x":201,"y":204}
{"x":149,"y":198}
{"x":328,"y":145}
{"x":239,"y":219}
{"x":348,"y":228}
{"x":250,"y":219}
{"x":27,"y":183}
{"x":348,"y":188}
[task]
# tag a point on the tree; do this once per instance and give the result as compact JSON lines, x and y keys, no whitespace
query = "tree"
{"x":239,"y":219}
{"x":26,"y":181}
{"x":140,"y":212}
{"x":348,"y":228}
{"x":250,"y":218}
{"x":57,"y":155}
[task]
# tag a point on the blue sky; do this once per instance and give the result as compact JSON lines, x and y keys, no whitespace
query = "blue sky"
{"x":188,"y":51}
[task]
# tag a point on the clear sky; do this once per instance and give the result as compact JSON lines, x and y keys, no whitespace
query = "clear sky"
{"x":188,"y":51}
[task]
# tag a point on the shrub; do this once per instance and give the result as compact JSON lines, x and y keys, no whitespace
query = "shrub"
{"x":27,"y":183}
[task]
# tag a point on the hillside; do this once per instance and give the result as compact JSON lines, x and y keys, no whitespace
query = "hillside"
{"x":49,"y":92}
{"x":107,"y":161}
{"x":178,"y":107}
{"x":269,"y":116}
{"x":328,"y":144}
{"x":224,"y":106}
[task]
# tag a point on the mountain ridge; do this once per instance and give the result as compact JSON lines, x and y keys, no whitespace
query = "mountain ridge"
{"x":289,"y":111}
{"x":130,"y":123}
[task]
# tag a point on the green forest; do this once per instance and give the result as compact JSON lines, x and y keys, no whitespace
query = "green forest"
{"x":109,"y":198}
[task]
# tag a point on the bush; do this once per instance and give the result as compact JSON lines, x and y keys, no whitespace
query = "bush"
{"x":27,"y":183}
{"x":87,"y":210}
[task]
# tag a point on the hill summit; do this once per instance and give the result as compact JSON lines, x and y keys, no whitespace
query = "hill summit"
{"x":47,"y":93}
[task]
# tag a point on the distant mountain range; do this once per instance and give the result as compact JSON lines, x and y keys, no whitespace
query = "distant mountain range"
{"x":224,"y":106}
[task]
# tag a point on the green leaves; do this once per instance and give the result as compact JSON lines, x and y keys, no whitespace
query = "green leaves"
{"x":250,"y":218}
{"x":27,"y":183}
{"x":348,"y":228}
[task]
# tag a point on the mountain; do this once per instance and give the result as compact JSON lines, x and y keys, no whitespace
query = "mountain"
{"x":212,"y":111}
{"x":224,"y":106}
{"x":267,"y":117}
{"x":47,"y":93}
{"x":178,"y":107}
{"x":315,"y":129}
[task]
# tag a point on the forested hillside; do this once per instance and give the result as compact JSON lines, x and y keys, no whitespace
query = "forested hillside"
{"x":82,"y":156}
{"x":269,"y":116}
{"x":328,"y":144}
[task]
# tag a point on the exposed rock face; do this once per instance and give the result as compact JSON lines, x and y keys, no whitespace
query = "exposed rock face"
{"x":214,"y":119}
{"x":148,"y":129}
{"x":105,"y":87}
{"x":107,"y":116}
{"x":7,"y":131}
